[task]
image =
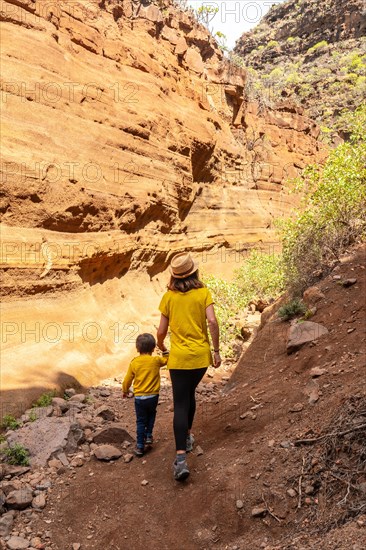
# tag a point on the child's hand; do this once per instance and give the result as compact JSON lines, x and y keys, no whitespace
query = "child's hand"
{"x":127,"y":395}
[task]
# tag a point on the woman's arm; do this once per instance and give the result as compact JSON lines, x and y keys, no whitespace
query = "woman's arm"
{"x":215,"y":333}
{"x":162,"y":332}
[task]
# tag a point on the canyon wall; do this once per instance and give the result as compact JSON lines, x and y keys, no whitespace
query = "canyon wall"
{"x":126,"y":137}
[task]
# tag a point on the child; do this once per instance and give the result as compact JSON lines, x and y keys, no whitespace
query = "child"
{"x":145,"y":371}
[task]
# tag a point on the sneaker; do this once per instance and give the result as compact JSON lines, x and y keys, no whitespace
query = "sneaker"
{"x":189,"y":443}
{"x":139,"y":451}
{"x":180,"y":470}
{"x":149,"y":440}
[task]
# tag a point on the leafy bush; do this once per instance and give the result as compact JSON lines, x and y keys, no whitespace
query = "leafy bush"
{"x":17,"y":455}
{"x":272,"y":44}
{"x":334,"y":209}
{"x":9,"y":422}
{"x":259,"y":278}
{"x":292,"y":309}
{"x":45,"y":399}
{"x":318,"y":46}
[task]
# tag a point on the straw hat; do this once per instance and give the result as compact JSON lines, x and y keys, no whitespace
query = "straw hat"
{"x":183,"y":265}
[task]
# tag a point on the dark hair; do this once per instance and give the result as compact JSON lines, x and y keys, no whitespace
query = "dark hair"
{"x":145,"y":343}
{"x":188,"y":283}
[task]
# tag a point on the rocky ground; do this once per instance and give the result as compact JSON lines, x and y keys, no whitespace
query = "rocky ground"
{"x":279,"y":461}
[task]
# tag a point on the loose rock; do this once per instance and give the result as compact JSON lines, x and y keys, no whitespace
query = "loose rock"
{"x":39,"y":501}
{"x":17,"y":543}
{"x":259,"y":511}
{"x":302,"y":333}
{"x":20,"y":499}
{"x":107,"y":452}
{"x":105,"y":413}
{"x":6,"y":523}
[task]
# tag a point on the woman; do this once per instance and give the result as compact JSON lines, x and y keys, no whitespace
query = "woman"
{"x":187,"y":308}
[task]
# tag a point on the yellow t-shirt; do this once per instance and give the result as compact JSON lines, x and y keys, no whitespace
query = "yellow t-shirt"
{"x":144,"y":372}
{"x":186,"y":311}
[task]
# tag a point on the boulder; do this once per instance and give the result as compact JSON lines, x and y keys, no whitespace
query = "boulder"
{"x":312,"y":295}
{"x":6,"y":523}
{"x":302,"y":333}
{"x":61,"y":403}
{"x":107,"y":452}
{"x":47,"y":438}
{"x":20,"y":499}
{"x":78,"y":398}
{"x":116,"y":435}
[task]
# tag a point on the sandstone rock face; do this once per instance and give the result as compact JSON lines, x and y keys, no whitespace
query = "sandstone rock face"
{"x":126,"y":138}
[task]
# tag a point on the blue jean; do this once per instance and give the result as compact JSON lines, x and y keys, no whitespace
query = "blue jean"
{"x":145,"y":418}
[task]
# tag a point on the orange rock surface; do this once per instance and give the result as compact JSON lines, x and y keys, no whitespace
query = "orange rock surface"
{"x":126,"y":137}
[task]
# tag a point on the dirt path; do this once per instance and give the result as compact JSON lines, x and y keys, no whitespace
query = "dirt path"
{"x":246,"y":431}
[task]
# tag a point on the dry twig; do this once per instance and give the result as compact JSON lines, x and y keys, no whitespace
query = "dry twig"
{"x":269,"y":510}
{"x":300,"y":480}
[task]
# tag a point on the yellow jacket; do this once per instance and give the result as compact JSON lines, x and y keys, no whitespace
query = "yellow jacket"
{"x":144,"y":372}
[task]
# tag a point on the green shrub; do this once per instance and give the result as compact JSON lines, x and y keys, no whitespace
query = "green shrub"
{"x":17,"y":455}
{"x":9,"y":422}
{"x":272,"y":44}
{"x":292,"y":309}
{"x":261,"y":276}
{"x":318,"y":46}
{"x":333,"y":214}
{"x":33,"y":416}
{"x":45,"y":399}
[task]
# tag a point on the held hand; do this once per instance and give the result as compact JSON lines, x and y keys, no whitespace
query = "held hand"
{"x":217,"y":359}
{"x":127,"y":395}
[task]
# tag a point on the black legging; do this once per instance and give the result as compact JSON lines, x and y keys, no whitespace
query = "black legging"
{"x":184,"y":382}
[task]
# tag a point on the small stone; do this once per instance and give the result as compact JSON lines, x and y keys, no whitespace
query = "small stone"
{"x":17,"y":543}
{"x":76,"y":546}
{"x":36,"y":542}
{"x":70,"y":392}
{"x":309,"y":489}
{"x":291,"y":493}
{"x":349,"y":282}
{"x":271,"y":443}
{"x":199,"y":450}
{"x":107,"y":452}
{"x":350,"y":330}
{"x":308,"y":500}
{"x":144,"y":482}
{"x":78,"y":461}
{"x":105,"y":413}
{"x":128,"y":457}
{"x":297,"y":407}
{"x":259,"y":511}
{"x":61,"y":403}
{"x":285,"y":444}
{"x":317,"y":371}
{"x":104,"y":393}
{"x":39,"y":501}
{"x":239,"y":504}
{"x":77,"y":398}
{"x":54,"y":463}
